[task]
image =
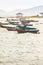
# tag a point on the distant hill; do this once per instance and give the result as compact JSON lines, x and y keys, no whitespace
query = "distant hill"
{"x":26,"y":12}
{"x":31,"y":11}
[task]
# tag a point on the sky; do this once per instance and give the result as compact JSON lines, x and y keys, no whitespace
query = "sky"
{"x":10,"y":5}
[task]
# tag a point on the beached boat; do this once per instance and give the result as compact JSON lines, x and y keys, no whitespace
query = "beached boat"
{"x":8,"y":26}
{"x":23,"y":29}
{"x":14,"y":23}
{"x":2,"y":23}
{"x":28,"y":21}
{"x":11,"y":28}
{"x":15,"y":28}
{"x":33,"y":21}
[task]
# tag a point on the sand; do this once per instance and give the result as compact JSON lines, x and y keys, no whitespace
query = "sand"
{"x":21,"y":49}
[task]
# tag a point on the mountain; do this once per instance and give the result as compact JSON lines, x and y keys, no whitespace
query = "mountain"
{"x":31,"y":11}
{"x":26,"y":12}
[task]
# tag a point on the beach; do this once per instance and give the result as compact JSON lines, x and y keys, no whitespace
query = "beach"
{"x":21,"y":49}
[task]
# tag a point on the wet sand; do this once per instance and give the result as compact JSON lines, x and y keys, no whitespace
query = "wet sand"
{"x":21,"y":49}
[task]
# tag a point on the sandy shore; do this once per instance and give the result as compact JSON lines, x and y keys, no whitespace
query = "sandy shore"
{"x":21,"y":49}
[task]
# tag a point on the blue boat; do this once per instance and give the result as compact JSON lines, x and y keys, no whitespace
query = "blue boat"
{"x":21,"y":26}
{"x":31,"y":28}
{"x":23,"y":29}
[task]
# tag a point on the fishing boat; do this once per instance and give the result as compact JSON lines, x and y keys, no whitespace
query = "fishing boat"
{"x":11,"y":28}
{"x":23,"y":29}
{"x":33,"y":21}
{"x":15,"y":28}
{"x":8,"y":26}
{"x":14,"y":23}
{"x":28,"y":21}
{"x":3,"y":23}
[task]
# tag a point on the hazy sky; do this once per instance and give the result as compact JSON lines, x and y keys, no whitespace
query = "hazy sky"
{"x":9,"y":5}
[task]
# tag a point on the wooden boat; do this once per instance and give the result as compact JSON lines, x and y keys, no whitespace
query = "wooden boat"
{"x":15,"y":28}
{"x":24,"y":31}
{"x":8,"y":26}
{"x":14,"y":23}
{"x":33,"y":21}
{"x":1,"y":24}
{"x":27,"y":29}
{"x":11,"y":29}
{"x":28,"y":21}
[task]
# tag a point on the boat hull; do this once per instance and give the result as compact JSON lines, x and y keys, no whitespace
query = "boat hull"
{"x":24,"y":31}
{"x":11,"y":28}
